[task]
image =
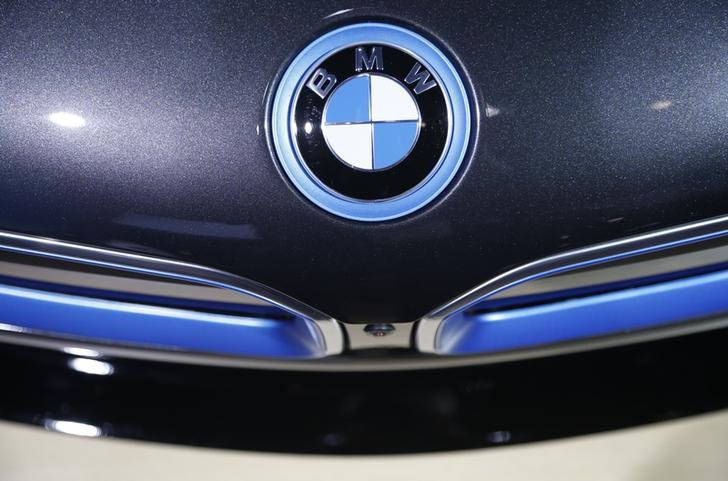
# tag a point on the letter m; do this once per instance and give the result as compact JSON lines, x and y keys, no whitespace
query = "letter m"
{"x":375,"y":60}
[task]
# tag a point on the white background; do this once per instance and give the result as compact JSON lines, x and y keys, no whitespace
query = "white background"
{"x":693,"y":449}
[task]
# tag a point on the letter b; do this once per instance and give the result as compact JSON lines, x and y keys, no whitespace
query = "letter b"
{"x":321,"y":82}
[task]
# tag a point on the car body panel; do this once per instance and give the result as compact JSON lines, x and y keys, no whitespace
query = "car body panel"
{"x":593,"y":121}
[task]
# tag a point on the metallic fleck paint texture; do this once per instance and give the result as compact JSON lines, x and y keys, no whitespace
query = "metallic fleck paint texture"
{"x":144,"y":126}
{"x":596,"y":120}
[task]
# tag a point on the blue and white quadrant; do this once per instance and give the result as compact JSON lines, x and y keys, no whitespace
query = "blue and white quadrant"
{"x":371,"y":122}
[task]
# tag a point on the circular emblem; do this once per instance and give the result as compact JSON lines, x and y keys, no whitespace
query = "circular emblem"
{"x":371,"y":121}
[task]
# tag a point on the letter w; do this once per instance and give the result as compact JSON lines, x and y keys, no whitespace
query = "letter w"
{"x":421,"y":77}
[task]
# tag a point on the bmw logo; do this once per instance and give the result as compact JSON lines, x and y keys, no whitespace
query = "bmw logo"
{"x":371,"y":121}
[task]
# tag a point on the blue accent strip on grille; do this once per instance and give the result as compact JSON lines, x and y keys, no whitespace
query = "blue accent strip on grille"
{"x":617,"y":312}
{"x":144,"y":325}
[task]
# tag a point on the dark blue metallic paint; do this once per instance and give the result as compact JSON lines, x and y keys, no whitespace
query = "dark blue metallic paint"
{"x":597,"y":120}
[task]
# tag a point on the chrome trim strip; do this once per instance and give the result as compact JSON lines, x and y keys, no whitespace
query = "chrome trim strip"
{"x":65,"y":275}
{"x":427,"y":328}
{"x":625,"y":270}
{"x":400,"y":336}
{"x":330,"y":331}
{"x":389,"y":361}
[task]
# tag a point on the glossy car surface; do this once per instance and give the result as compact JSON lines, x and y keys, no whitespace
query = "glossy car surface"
{"x":591,"y":123}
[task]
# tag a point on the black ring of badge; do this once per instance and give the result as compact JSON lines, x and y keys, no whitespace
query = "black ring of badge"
{"x":376,"y":185}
